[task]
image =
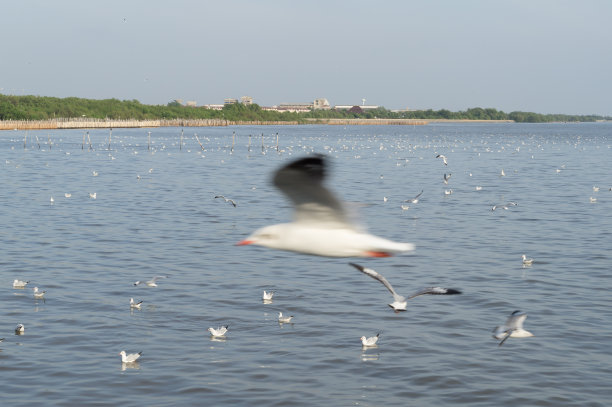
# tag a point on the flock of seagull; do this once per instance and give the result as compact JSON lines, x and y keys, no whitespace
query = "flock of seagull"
{"x":322,"y":227}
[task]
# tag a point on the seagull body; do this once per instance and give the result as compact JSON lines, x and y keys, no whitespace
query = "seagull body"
{"x":38,"y":293}
{"x":592,"y":200}
{"x":504,"y":206}
{"x":321,"y":225}
{"x":371,"y":341}
{"x":526,"y":261}
{"x":502,"y":173}
{"x":415,"y":199}
{"x":130,"y":357}
{"x":399,"y":302}
{"x":443,"y":158}
{"x":67,"y":195}
{"x":151,"y":282}
{"x":448,"y":192}
{"x":267,"y":296}
{"x":478,"y":188}
{"x":595,"y":189}
{"x":284,"y":319}
{"x":231,"y":201}
{"x":94,"y":173}
{"x":134,"y":304}
{"x":20,"y":284}
{"x":513,"y":328}
{"x":19,"y":329}
{"x":221,"y":331}
{"x":93,"y":195}
{"x":446,"y":178}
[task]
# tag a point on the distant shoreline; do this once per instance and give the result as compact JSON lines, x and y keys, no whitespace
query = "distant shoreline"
{"x":86,"y":123}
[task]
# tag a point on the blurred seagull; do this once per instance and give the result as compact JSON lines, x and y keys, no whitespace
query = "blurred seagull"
{"x":513,"y":328}
{"x":446,"y":178}
{"x":504,"y":206}
{"x":221,"y":331}
{"x":19,"y":329}
{"x":151,"y":282}
{"x":37,"y":293}
{"x":231,"y":201}
{"x":321,"y":225}
{"x":284,"y":319}
{"x":19,"y":283}
{"x":399,"y":302}
{"x":448,"y":192}
{"x":130,"y":357}
{"x":67,"y":195}
{"x":526,"y":261}
{"x":592,"y":200}
{"x":478,"y":188}
{"x":94,"y":173}
{"x":93,"y":195}
{"x":371,"y":341}
{"x":502,"y":173}
{"x":595,"y":189}
{"x":267,"y":296}
{"x":443,"y":158}
{"x":415,"y":199}
{"x":134,"y":304}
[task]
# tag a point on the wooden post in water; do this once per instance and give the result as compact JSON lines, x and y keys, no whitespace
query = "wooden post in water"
{"x":277,"y":141}
{"x":233,"y":140}
{"x":262,"y":143}
{"x":37,"y":142}
{"x":83,"y":143}
{"x":249,"y":142}
{"x":149,"y":141}
{"x":196,"y":136}
{"x":49,"y":141}
{"x":181,"y":142}
{"x":89,"y":141}
{"x":110,"y":134}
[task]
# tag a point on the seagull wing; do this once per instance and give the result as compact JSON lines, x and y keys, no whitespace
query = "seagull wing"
{"x":515,"y":320}
{"x":375,"y":275}
{"x":302,"y":182}
{"x":508,"y":334}
{"x":434,"y":291}
{"x":154,"y":279}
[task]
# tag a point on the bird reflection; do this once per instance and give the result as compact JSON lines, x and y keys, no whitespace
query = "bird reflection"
{"x":130,"y":365}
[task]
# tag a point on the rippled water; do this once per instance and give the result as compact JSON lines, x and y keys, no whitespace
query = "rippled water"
{"x":155,"y":214}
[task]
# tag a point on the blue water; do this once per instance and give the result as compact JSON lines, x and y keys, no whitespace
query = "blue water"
{"x":155,"y":214}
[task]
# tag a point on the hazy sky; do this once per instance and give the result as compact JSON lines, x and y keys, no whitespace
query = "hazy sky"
{"x":531,"y":55}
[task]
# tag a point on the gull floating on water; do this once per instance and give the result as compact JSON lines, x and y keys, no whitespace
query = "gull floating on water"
{"x":513,"y":328}
{"x":321,"y":225}
{"x":399,"y":302}
{"x":93,"y":195}
{"x":478,"y":188}
{"x":284,"y":319}
{"x":502,"y":173}
{"x":129,"y":357}
{"x":151,"y":282}
{"x":37,"y":293}
{"x":231,"y":201}
{"x":221,"y":331}
{"x":19,"y":329}
{"x":19,"y":283}
{"x":415,"y":199}
{"x":267,"y":296}
{"x":443,"y":158}
{"x":448,"y":192}
{"x":67,"y":195}
{"x":592,"y":200}
{"x":526,"y":261}
{"x":595,"y":189}
{"x":371,"y":341}
{"x":134,"y":304}
{"x":94,"y":173}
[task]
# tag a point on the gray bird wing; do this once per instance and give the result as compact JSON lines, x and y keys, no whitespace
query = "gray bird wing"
{"x":377,"y":276}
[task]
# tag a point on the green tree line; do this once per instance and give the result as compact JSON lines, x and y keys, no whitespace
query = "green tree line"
{"x":44,"y":108}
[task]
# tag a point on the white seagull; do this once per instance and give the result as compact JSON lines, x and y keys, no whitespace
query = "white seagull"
{"x":284,"y":319}
{"x":67,"y":195}
{"x":19,"y":283}
{"x":399,"y":302}
{"x":231,"y":201}
{"x":504,"y":206}
{"x":37,"y":293}
{"x":371,"y":341}
{"x":19,"y":329}
{"x":134,"y":304}
{"x":446,"y":178}
{"x":443,"y":158}
{"x":219,"y":332}
{"x":513,"y":328}
{"x":129,"y":357}
{"x":321,"y":225}
{"x":151,"y":282}
{"x":93,"y":195}
{"x":415,"y":199}
{"x":526,"y":261}
{"x":267,"y":296}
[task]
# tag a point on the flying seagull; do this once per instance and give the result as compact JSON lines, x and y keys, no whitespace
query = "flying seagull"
{"x":134,"y":304}
{"x":443,"y":158}
{"x":231,"y":201}
{"x":446,"y":178}
{"x":267,"y":296}
{"x":504,"y":206}
{"x":415,"y":199}
{"x":513,"y":328}
{"x":151,"y":282}
{"x":321,"y":225}
{"x":399,"y":302}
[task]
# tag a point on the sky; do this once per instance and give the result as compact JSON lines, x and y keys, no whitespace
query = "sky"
{"x":541,"y":56}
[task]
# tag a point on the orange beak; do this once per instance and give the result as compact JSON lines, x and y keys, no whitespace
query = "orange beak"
{"x":244,"y":242}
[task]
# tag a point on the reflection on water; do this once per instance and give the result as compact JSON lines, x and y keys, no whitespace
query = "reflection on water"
{"x":129,"y":365}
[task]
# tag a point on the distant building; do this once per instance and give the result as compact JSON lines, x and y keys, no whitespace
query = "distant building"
{"x":230,"y":101}
{"x":191,"y":103}
{"x":294,"y":107}
{"x":213,"y":107}
{"x":321,"y":104}
{"x":246,"y":100}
